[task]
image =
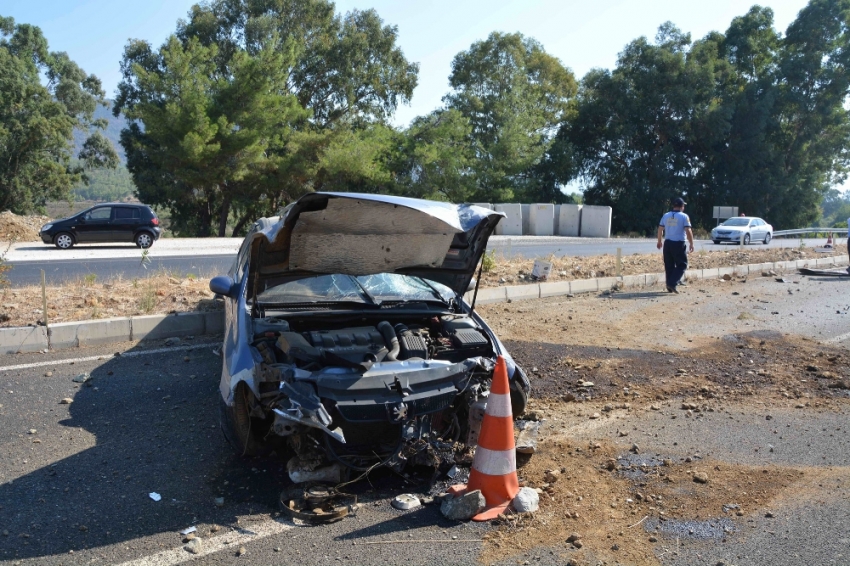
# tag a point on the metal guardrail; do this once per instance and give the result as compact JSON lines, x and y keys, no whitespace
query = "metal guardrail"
{"x":802,"y":231}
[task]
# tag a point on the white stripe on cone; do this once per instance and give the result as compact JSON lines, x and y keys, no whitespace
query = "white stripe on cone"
{"x":499,"y":405}
{"x":494,"y":462}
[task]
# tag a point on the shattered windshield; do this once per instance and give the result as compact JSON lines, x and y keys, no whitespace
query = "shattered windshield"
{"x":362,"y":289}
{"x":737,"y":222}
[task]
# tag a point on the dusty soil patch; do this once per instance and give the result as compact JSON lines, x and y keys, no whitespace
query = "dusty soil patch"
{"x":517,"y":271}
{"x":592,"y":360}
{"x":14,"y":228}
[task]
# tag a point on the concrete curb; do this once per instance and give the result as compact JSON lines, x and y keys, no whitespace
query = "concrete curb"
{"x":66,"y":335}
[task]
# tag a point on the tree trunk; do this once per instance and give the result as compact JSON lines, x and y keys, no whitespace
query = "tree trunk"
{"x":223,"y":214}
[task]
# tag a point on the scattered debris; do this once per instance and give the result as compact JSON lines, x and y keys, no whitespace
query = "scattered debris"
{"x":155,"y":496}
{"x":82,"y":378}
{"x":316,"y":503}
{"x":464,"y":507}
{"x":219,"y":501}
{"x":406,"y":501}
{"x":66,"y":401}
{"x":526,"y":442}
{"x":303,"y":470}
{"x":188,"y":530}
{"x":701,"y":477}
{"x":195,"y":546}
{"x":173,"y":341}
{"x":526,"y":501}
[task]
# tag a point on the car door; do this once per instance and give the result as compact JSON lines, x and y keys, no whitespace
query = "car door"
{"x":125,"y":220}
{"x":759,"y":230}
{"x":95,"y":225}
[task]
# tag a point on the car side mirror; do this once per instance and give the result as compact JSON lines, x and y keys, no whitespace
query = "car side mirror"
{"x":223,"y":285}
{"x":82,"y":220}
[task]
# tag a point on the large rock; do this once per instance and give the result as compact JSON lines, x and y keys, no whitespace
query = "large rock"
{"x":526,"y":501}
{"x":463,"y":507}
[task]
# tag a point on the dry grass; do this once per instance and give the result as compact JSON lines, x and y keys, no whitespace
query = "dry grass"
{"x":160,"y":293}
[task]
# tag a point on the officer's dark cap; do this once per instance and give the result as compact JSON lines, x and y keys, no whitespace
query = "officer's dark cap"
{"x":679,"y":202}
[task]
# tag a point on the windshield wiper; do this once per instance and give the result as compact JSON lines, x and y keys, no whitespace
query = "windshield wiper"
{"x":363,"y":290}
{"x":435,"y":291}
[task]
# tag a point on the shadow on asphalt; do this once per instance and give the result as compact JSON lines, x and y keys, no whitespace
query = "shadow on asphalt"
{"x":155,"y":423}
{"x":635,"y":296}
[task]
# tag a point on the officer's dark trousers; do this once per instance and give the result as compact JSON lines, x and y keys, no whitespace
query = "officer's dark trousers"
{"x":675,"y":261}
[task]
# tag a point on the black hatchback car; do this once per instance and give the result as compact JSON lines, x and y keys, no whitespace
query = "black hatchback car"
{"x":111,"y":222}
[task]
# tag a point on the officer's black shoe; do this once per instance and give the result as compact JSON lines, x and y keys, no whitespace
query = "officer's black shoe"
{"x":672,"y":290}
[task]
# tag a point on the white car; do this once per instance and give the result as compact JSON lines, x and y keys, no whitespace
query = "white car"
{"x":753,"y":230}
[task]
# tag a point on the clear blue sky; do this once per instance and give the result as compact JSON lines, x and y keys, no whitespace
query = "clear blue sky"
{"x":583,"y":34}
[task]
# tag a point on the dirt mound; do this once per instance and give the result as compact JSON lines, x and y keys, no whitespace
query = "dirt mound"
{"x":14,"y":228}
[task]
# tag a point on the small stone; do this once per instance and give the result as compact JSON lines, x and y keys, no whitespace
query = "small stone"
{"x":66,"y":401}
{"x":634,"y":449}
{"x":611,"y":464}
{"x":526,"y":501}
{"x":189,"y":537}
{"x":653,"y":539}
{"x":569,"y":397}
{"x":241,"y":552}
{"x":82,"y":378}
{"x":551,"y":476}
{"x":219,"y":501}
{"x":187,"y":359}
{"x":83,"y":528}
{"x":655,"y":407}
{"x":195,"y":546}
{"x":573,"y":537}
{"x":701,"y":477}
{"x":33,"y":431}
{"x":578,"y":544}
{"x":595,"y":416}
{"x":463,"y":507}
{"x":172,"y":341}
{"x":769,"y":515}
{"x":215,"y":528}
{"x":48,"y":374}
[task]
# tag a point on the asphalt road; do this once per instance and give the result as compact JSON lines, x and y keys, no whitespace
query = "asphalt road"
{"x":109,"y":261}
{"x":75,"y":478}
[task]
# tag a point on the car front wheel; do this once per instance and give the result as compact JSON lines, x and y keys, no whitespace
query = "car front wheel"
{"x":767,"y":238}
{"x":716,"y":242}
{"x":144,"y":240}
{"x":746,"y":239}
{"x":64,"y":241}
{"x":241,"y":430}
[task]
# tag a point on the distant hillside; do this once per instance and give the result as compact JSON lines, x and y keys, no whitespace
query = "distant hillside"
{"x":112,"y":131}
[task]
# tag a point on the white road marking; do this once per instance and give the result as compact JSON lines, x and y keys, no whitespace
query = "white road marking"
{"x":835,"y":339}
{"x":231,"y":541}
{"x":108,"y":356}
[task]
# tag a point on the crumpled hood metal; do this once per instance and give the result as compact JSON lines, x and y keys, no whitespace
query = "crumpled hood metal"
{"x":363,"y":234}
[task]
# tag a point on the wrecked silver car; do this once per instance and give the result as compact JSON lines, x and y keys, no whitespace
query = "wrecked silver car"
{"x":348,"y":341}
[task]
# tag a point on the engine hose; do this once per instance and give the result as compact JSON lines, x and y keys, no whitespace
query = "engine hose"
{"x":386,"y":330}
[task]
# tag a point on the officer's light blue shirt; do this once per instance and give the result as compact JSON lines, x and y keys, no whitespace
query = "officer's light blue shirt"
{"x":674,"y":223}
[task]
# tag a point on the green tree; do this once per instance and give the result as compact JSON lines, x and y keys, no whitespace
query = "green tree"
{"x":44,"y":96}
{"x":514,"y":96}
{"x":252,"y":103}
{"x":436,"y":159}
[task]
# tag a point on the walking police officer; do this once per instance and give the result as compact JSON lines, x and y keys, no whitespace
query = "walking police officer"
{"x":675,"y":226}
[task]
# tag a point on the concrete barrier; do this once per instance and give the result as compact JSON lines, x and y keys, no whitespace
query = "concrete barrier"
{"x":522,"y":292}
{"x":526,"y":212}
{"x":214,"y":322}
{"x":102,"y":332}
{"x":655,"y":279}
{"x":721,"y":271}
{"x":607,"y":283}
{"x":512,"y":224}
{"x":824,"y":261}
{"x":556,"y":225}
{"x":595,"y":221}
{"x":584,"y":286}
{"x":491,"y":295}
{"x":165,"y":326}
{"x":554,"y":289}
{"x":634,"y":280}
{"x":712,"y":273}
{"x":541,"y":220}
{"x":486,"y":205}
{"x":23,"y":339}
{"x":569,"y":220}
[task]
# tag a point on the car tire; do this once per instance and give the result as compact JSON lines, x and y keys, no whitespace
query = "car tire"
{"x":767,"y":238}
{"x":237,"y":425}
{"x":63,"y":241}
{"x":519,"y":398}
{"x":144,"y":240}
{"x":716,"y":242}
{"x":746,"y":239}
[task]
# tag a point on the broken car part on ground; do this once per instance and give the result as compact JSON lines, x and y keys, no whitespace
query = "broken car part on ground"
{"x":348,"y":343}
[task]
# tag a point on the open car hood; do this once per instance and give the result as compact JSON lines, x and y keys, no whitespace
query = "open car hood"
{"x":364,"y":234}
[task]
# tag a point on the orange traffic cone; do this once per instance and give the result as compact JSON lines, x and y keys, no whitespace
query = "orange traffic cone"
{"x":828,"y":241}
{"x":494,"y":465}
